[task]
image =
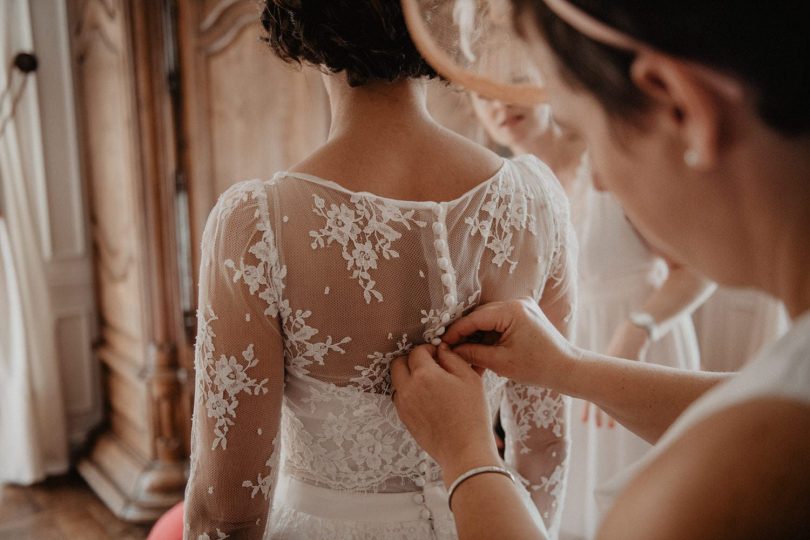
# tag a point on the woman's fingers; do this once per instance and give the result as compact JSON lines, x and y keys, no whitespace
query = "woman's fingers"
{"x":421,"y":357}
{"x":483,"y":356}
{"x":488,"y":318}
{"x":451,"y":361}
{"x":586,"y":412}
{"x":399,"y":371}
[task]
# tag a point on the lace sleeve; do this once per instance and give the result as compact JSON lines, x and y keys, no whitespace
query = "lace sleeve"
{"x":559,"y":297}
{"x":239,"y":372}
{"x":535,"y":419}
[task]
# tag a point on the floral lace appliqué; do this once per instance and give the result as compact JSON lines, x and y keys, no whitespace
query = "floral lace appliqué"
{"x":299,"y":351}
{"x":222,"y":380}
{"x":553,"y":484}
{"x":218,"y":535}
{"x":535,"y":407}
{"x":365,"y":233}
{"x":265,"y":484}
{"x":506,"y":210}
{"x":376,"y":377}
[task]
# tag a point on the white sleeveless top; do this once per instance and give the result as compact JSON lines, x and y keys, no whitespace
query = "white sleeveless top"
{"x":781,"y":370}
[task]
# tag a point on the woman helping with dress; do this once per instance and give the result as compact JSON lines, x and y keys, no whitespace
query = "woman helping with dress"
{"x":707,"y":146}
{"x":619,"y":278}
{"x":312,"y":281}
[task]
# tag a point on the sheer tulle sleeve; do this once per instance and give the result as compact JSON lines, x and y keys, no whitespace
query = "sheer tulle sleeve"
{"x":239,"y":372}
{"x":534,"y":418}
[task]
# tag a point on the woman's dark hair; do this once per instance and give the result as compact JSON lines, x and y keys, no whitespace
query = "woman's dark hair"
{"x":366,"y":39}
{"x":765,"y":44}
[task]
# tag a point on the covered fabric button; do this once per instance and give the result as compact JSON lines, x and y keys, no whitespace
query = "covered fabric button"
{"x":422,"y":467}
{"x":450,"y":300}
{"x":419,"y":482}
{"x":448,"y":280}
{"x":440,"y":331}
{"x":425,"y":513}
{"x":418,"y":498}
{"x":444,"y":264}
{"x":441,"y":245}
{"x":438,"y":228}
{"x":436,"y":341}
{"x":445,"y":318}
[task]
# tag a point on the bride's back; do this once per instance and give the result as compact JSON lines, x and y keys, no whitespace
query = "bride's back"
{"x":313,"y":280}
{"x":338,"y":282}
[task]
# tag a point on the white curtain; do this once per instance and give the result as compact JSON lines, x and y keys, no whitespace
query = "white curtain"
{"x":33,"y":433}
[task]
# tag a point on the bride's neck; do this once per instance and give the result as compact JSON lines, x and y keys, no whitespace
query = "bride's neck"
{"x":376,"y":107}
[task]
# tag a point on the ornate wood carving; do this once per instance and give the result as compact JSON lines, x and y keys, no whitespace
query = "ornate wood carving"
{"x":138,"y":464}
{"x":110,"y":160}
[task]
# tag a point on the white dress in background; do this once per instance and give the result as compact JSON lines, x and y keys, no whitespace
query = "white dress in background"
{"x":781,"y":370}
{"x":18,"y":424}
{"x":734,"y":324}
{"x":307,"y":292}
{"x":617,"y":273}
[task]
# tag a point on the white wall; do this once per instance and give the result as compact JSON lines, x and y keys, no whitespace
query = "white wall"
{"x":59,"y":196}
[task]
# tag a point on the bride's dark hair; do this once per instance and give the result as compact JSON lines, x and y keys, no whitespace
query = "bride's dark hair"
{"x":766,"y":44}
{"x":366,"y":39}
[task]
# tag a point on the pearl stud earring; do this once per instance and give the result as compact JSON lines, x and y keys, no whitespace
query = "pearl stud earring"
{"x":691,"y":158}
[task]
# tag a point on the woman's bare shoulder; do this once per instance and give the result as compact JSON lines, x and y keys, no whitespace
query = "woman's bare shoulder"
{"x":741,"y":473}
{"x":432,"y":162}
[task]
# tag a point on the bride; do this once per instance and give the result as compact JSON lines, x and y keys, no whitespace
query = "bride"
{"x":314,"y":280}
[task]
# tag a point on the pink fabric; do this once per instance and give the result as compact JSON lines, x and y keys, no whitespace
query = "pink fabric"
{"x":169,"y":526}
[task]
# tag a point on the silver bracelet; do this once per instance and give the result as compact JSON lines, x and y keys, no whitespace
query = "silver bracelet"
{"x":475,"y":472}
{"x":646,"y":322}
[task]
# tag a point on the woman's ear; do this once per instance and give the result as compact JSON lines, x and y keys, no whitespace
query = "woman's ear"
{"x":687,"y":104}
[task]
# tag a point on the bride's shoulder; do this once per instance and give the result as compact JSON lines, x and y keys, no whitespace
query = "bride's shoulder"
{"x":254,"y":191}
{"x":533,"y":170}
{"x":252,"y":200}
{"x":538,"y":178}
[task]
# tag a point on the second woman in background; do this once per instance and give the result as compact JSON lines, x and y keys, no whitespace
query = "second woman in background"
{"x":632,"y":302}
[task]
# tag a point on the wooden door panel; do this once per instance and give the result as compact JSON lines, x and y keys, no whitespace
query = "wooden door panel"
{"x":246,"y":113}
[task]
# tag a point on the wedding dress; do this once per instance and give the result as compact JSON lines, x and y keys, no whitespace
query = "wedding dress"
{"x":307,"y":293}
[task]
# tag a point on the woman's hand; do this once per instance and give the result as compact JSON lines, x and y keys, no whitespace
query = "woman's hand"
{"x":443,"y":404}
{"x":528,"y":348}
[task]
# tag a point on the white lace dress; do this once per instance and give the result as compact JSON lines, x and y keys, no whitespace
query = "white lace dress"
{"x":307,"y":292}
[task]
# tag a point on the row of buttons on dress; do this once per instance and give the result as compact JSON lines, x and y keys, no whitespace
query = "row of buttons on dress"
{"x":450,"y":302}
{"x":419,"y":498}
{"x":448,"y":273}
